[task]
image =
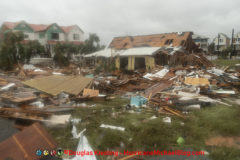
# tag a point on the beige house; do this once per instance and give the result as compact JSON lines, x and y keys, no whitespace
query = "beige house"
{"x":221,"y":42}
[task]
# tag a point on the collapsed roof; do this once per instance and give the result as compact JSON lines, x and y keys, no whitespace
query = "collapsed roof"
{"x":175,"y":39}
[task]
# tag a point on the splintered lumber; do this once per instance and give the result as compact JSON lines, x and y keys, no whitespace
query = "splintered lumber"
{"x":3,"y":82}
{"x":26,"y":114}
{"x":18,"y":97}
{"x":175,"y":112}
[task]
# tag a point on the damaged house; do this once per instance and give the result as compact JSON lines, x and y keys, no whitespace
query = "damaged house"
{"x":146,"y":51}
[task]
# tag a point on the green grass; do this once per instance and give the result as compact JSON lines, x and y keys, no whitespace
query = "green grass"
{"x":226,"y":62}
{"x":144,"y":134}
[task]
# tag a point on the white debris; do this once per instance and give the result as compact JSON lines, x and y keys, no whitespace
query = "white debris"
{"x":112,"y":127}
{"x":58,"y":119}
{"x":28,"y":67}
{"x":75,"y":120}
{"x":194,"y":106}
{"x":189,"y":96}
{"x":63,"y":95}
{"x":57,"y":73}
{"x":38,"y":70}
{"x":83,"y":105}
{"x":83,"y":146}
{"x":224,"y":91}
{"x":180,"y":72}
{"x":159,"y":74}
{"x":167,"y":119}
{"x":216,"y":71}
{"x":39,"y":104}
{"x":153,"y":117}
{"x":7,"y":86}
{"x":74,"y":132}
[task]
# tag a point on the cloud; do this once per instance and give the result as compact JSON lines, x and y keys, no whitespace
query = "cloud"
{"x":110,"y":18}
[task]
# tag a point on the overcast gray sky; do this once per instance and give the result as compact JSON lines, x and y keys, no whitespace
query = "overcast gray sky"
{"x":110,"y":18}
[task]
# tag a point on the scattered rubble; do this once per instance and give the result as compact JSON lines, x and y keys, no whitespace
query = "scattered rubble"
{"x":48,"y":95}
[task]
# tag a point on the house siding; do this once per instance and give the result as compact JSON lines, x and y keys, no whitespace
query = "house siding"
{"x":75,"y":30}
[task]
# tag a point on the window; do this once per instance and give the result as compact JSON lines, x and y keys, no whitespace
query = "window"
{"x":75,"y":36}
{"x":220,"y":40}
{"x":55,"y":36}
{"x":238,"y":39}
{"x":26,"y":36}
{"x":168,"y":41}
{"x":41,"y":35}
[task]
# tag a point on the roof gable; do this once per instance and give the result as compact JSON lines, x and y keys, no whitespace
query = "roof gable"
{"x":23,"y":26}
{"x":54,"y":28}
{"x":68,"y":29}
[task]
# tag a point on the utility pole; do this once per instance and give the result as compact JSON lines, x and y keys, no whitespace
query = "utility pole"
{"x":218,"y":45}
{"x":232,"y":48}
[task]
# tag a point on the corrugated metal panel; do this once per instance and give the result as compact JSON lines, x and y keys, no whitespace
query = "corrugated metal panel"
{"x":56,"y":84}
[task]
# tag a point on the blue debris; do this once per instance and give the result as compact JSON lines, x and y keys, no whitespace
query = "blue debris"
{"x":138,"y":101}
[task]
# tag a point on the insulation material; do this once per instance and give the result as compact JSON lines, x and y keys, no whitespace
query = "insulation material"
{"x":196,"y":81}
{"x":117,"y":63}
{"x":90,"y":92}
{"x":149,"y":62}
{"x":131,"y":63}
{"x":56,"y":84}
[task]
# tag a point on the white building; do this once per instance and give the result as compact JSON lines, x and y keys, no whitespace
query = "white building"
{"x":47,"y":35}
